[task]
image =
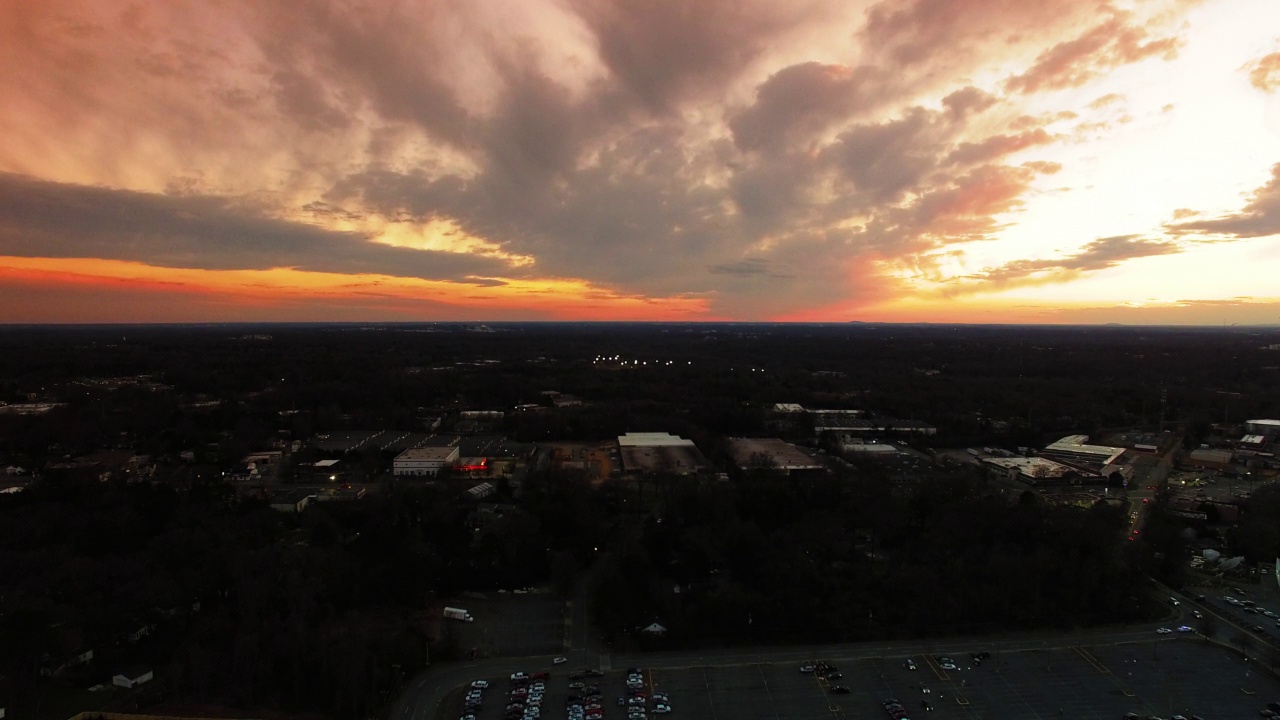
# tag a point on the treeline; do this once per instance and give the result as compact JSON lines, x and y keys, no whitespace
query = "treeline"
{"x":239,"y":604}
{"x":773,"y":560}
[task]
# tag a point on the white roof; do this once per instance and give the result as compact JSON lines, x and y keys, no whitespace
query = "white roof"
{"x":788,"y":408}
{"x":326,"y":463}
{"x":429,"y":453}
{"x":870,"y":448}
{"x":1076,"y":444}
{"x":1029,"y":466}
{"x":1276,"y":423}
{"x":651,"y":439}
{"x":1254,"y":439}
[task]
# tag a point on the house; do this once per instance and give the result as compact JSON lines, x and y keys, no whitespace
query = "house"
{"x":133,"y":676}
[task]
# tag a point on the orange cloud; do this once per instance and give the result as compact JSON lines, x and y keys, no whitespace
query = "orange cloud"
{"x":1110,"y":45}
{"x":136,"y":292}
{"x":1264,"y":73}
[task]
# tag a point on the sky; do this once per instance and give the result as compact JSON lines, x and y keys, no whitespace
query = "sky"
{"x":979,"y":161}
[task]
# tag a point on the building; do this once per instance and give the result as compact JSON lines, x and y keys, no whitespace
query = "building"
{"x":424,"y":461}
{"x":1030,"y":470}
{"x":1262,"y":427}
{"x":133,"y":677}
{"x":295,"y":500}
{"x":649,"y":452}
{"x":772,"y":453}
{"x":858,"y":446}
{"x":1208,"y":458}
{"x":1096,"y":460}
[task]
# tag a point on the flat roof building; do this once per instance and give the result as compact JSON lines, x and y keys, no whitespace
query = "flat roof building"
{"x":420,"y":461}
{"x":771,"y":453}
{"x":649,"y":452}
{"x":1030,"y":470}
{"x":1262,"y":427}
{"x":1091,"y":459}
{"x":1208,"y":458}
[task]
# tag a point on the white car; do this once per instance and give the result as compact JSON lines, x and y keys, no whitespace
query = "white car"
{"x":1163,"y":631}
{"x":807,"y":668}
{"x":661,"y":709}
{"x":948,"y":666}
{"x":480,"y":684}
{"x":1185,"y":629}
{"x":559,"y":661}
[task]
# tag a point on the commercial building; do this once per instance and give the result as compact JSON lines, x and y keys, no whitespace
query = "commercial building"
{"x":422,"y":461}
{"x":1074,"y":452}
{"x":772,"y":453}
{"x":1030,"y":470}
{"x":650,"y":452}
{"x":1262,"y":427}
{"x":1209,"y":458}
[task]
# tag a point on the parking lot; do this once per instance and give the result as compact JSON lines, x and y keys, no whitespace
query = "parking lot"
{"x":514,"y":625}
{"x":1163,"y":677}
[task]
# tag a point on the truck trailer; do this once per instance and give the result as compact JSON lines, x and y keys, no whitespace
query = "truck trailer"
{"x":458,"y":614}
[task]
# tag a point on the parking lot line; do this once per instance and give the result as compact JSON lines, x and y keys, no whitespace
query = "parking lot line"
{"x":706,"y":681}
{"x":767,"y":691}
{"x":1089,"y":658}
{"x":928,"y":659}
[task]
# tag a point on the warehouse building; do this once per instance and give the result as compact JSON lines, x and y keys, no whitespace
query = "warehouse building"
{"x":650,"y":452}
{"x":771,"y":453}
{"x":424,"y":461}
{"x":1262,"y":427}
{"x":1030,"y":470}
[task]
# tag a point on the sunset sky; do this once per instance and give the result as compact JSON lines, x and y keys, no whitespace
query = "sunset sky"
{"x":1055,"y":161}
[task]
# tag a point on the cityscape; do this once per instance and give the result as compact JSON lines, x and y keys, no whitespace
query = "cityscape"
{"x":625,"y":359}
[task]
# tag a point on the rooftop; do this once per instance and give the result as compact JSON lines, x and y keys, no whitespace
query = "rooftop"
{"x":770,"y":452}
{"x":428,"y":453}
{"x":652,"y":439}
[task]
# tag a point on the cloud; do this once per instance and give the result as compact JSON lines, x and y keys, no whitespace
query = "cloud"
{"x":647,"y":149}
{"x":1099,"y":254}
{"x":1264,"y":73}
{"x":45,"y":219}
{"x":750,"y":267}
{"x":1109,"y":45}
{"x":798,"y":101}
{"x":997,"y":146}
{"x":1258,"y":218}
{"x":665,"y":51}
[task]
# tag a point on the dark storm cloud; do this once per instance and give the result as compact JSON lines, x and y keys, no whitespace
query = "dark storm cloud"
{"x":46,"y":219}
{"x":663,"y":51}
{"x":1259,"y":217}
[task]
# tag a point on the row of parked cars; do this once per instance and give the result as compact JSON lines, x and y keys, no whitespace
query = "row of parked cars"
{"x":1136,"y":716}
{"x":894,"y":708}
{"x":637,"y":698}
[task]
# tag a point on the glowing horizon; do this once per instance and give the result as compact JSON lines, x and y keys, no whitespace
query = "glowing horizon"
{"x":883,"y":160}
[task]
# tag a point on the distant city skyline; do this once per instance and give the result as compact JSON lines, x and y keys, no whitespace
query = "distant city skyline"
{"x":1113,"y":161}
